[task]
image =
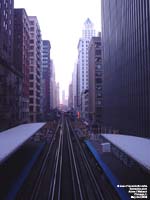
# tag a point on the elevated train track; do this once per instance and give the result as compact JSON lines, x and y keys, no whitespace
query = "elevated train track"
{"x":65,"y":173}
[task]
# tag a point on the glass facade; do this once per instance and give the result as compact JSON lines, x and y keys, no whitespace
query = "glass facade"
{"x":126,"y":64}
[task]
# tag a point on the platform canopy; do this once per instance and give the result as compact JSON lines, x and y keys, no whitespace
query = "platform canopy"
{"x":136,"y":147}
{"x":12,"y":139}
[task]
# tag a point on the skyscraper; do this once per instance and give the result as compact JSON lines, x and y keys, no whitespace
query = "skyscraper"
{"x":53,"y":95}
{"x":74,"y":86}
{"x":82,"y":85}
{"x":126,"y":64}
{"x":6,"y":30}
{"x":57,"y":96}
{"x":70,"y":97}
{"x":95,"y":80}
{"x":9,"y":76}
{"x":21,"y":59}
{"x":63,"y":97}
{"x":45,"y":77}
{"x":34,"y":69}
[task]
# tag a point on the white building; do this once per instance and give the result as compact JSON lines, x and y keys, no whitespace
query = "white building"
{"x":82,"y":77}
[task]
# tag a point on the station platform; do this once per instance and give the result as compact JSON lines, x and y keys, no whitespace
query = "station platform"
{"x":12,"y":139}
{"x":135,"y":147}
{"x":15,"y":170}
{"x":110,"y":176}
{"x":126,"y":163}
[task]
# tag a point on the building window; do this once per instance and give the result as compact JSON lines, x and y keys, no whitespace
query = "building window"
{"x":31,"y":108}
{"x":31,"y":41}
{"x":31,"y":68}
{"x":31,"y":47}
{"x":31,"y":61}
{"x":98,"y":66}
{"x":32,"y":29}
{"x":31,"y":92}
{"x":31,"y":100}
{"x":31,"y":84}
{"x":31,"y":53}
{"x":31,"y":76}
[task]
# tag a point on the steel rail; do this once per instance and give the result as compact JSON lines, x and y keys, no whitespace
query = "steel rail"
{"x":88,"y":167}
{"x":57,"y":167}
{"x":72,"y":172}
{"x":74,"y":162}
{"x":60,"y":166}
{"x":43,"y":168}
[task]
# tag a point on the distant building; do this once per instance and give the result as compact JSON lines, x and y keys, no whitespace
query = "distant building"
{"x":74,"y":86}
{"x":70,"y":98}
{"x":10,"y":77}
{"x":126,"y":64}
{"x":82,"y":77}
{"x":53,"y":95}
{"x":57,"y":96}
{"x":95,"y":80}
{"x":34,"y":69}
{"x":63,"y":97}
{"x":45,"y":78}
{"x":21,"y":59}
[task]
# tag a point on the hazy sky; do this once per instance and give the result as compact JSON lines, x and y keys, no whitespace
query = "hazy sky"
{"x":61,"y":22}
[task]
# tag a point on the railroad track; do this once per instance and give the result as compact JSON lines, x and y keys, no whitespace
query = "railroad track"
{"x":68,"y":183}
{"x":95,"y":183}
{"x":39,"y":176}
{"x":65,"y":183}
{"x":65,"y":173}
{"x":90,"y":187}
{"x":43,"y":188}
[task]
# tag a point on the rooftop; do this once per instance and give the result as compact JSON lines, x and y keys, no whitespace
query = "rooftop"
{"x":12,"y":139}
{"x":135,"y":147}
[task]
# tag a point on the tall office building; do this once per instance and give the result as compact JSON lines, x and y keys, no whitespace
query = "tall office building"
{"x":70,"y":97}
{"x":6,"y":30}
{"x":63,"y":97}
{"x":9,"y":76}
{"x":95,"y":81}
{"x":74,"y":86}
{"x":34,"y":69}
{"x":53,"y":95}
{"x":82,"y":77}
{"x":45,"y":78}
{"x":126,"y":63}
{"x":57,"y":96}
{"x":21,"y":59}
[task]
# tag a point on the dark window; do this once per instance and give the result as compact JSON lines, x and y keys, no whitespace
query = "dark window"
{"x":31,"y":76}
{"x":31,"y":108}
{"x":31,"y":41}
{"x":31,"y":92}
{"x":31,"y":84}
{"x":31,"y":100}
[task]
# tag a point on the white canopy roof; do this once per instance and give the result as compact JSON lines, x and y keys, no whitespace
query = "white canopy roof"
{"x":12,"y":139}
{"x":136,"y":147}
